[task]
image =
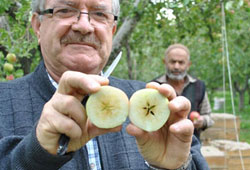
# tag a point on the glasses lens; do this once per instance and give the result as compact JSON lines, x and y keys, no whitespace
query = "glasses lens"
{"x":95,"y":17}
{"x":65,"y":12}
{"x":101,"y":17}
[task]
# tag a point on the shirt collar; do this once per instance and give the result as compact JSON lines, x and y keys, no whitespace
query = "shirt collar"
{"x":54,"y":83}
{"x":190,"y":79}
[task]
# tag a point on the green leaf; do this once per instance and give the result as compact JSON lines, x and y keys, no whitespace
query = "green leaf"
{"x":19,"y":73}
{"x":186,"y":2}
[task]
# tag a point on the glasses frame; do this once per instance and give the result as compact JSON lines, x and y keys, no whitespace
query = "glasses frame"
{"x":51,"y":11}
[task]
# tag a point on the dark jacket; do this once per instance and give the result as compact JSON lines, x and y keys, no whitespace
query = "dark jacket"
{"x":21,"y":104}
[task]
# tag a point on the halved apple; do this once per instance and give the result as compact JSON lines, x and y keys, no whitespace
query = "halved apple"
{"x":107,"y":108}
{"x":148,"y":109}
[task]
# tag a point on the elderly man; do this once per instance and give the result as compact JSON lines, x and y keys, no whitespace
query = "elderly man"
{"x":177,"y":63}
{"x":76,"y":38}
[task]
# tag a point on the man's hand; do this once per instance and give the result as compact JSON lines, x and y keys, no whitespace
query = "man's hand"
{"x":169,"y":147}
{"x":64,"y":113}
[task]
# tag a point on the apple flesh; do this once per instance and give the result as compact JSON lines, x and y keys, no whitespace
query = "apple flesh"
{"x":194,"y":116}
{"x":107,"y":108}
{"x":148,"y":109}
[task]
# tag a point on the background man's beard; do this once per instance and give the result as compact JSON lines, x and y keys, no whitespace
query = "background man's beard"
{"x":176,"y":77}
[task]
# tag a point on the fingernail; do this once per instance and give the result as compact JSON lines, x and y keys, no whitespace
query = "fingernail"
{"x":95,"y":86}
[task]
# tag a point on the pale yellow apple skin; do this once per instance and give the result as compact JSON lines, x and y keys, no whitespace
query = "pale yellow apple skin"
{"x":107,"y":108}
{"x":148,"y":109}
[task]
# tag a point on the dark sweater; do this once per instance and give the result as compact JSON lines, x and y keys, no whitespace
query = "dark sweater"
{"x":21,"y":103}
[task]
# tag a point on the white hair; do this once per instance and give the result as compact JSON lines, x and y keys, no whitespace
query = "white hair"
{"x":174,"y":46}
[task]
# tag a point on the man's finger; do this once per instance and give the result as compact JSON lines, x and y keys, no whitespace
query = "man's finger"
{"x":165,"y":89}
{"x":69,"y":106}
{"x":80,"y":84}
{"x":180,"y":106}
{"x":182,"y":130}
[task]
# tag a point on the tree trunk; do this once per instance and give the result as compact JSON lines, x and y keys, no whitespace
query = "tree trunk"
{"x":129,"y":61}
{"x":242,"y":100}
{"x":123,"y":34}
{"x":249,"y":96}
{"x":241,"y":92}
{"x":4,"y":25}
{"x":25,"y":64}
{"x":125,"y":30}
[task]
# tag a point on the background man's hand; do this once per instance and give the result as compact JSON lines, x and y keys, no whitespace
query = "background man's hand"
{"x":199,"y":122}
{"x":64,"y":113}
{"x":168,"y":147}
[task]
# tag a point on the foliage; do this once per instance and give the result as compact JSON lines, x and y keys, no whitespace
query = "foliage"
{"x":198,"y":24}
{"x":16,"y":36}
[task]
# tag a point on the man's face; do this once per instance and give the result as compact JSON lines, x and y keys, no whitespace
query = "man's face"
{"x":177,"y":64}
{"x":71,"y":44}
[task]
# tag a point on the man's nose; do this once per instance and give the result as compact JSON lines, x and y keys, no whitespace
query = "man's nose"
{"x":83,"y":23}
{"x":176,"y":65}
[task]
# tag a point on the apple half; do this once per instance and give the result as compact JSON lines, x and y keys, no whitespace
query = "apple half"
{"x":148,"y":109}
{"x":107,"y":108}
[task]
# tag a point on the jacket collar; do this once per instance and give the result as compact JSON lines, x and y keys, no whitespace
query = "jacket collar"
{"x":41,"y":83}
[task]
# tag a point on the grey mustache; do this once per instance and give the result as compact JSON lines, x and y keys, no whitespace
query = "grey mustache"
{"x":79,"y":38}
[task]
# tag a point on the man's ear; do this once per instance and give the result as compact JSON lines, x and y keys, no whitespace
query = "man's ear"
{"x":189,"y":64}
{"x":114,"y":29}
{"x":36,"y":23}
{"x":164,"y":60}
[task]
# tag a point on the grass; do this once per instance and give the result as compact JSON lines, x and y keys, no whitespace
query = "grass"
{"x":244,"y":115}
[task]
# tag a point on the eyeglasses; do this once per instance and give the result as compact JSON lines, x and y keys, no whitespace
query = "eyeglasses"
{"x":94,"y":17}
